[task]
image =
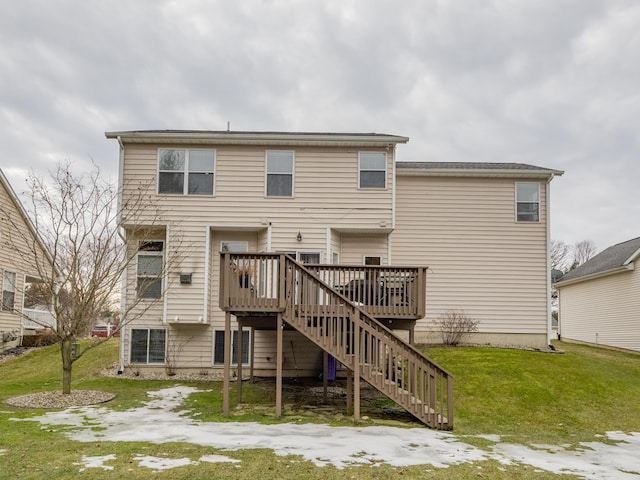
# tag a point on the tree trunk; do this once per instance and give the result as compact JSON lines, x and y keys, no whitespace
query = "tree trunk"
{"x":67,"y":362}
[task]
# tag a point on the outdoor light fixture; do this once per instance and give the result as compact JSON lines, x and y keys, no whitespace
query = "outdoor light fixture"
{"x":299,"y":237}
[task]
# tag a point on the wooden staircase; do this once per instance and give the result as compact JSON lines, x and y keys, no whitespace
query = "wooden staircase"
{"x":364,"y":346}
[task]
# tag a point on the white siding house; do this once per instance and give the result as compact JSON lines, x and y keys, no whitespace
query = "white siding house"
{"x":329,"y":198}
{"x":599,"y":302}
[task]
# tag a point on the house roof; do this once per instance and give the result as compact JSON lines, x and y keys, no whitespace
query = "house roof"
{"x":476,"y":169}
{"x":257,"y":138}
{"x":615,"y":259}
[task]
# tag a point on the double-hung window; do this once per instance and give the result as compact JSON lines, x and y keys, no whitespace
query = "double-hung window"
{"x":372,"y":170}
{"x":279,"y":173}
{"x":148,"y":345}
{"x":149,"y":269}
{"x":186,"y":171}
{"x":8,"y":290}
{"x":527,"y":201}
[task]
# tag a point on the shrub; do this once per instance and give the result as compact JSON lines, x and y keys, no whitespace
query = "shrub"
{"x":454,"y":325}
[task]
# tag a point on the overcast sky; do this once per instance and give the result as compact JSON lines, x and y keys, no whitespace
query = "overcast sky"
{"x":554,"y":83}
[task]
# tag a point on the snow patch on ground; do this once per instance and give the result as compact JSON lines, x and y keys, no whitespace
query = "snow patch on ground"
{"x":160,"y":421}
{"x":96,"y":462}
{"x":158,"y":464}
{"x":218,"y":459}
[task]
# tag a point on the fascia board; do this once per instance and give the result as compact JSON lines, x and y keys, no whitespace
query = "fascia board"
{"x":480,"y":172}
{"x":613,"y":271}
{"x":240,"y":138}
{"x":632,"y":257}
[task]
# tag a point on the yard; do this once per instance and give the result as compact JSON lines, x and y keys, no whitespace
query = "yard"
{"x":508,"y":404}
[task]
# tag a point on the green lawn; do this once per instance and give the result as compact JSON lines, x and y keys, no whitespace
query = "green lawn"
{"x":528,"y":397}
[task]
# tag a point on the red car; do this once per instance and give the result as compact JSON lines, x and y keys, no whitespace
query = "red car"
{"x":104,"y":331}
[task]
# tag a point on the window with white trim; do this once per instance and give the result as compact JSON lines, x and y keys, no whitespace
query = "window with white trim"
{"x":527,"y":201}
{"x":279,"y":173}
{"x":148,"y":345}
{"x":149,"y":269}
{"x":8,"y":291}
{"x":186,"y":171}
{"x":218,"y":347}
{"x":372,"y":170}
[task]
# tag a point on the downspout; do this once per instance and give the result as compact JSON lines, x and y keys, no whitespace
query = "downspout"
{"x":122,"y":235}
{"x":123,"y":305}
{"x":393,"y":206}
{"x":548,"y":214}
{"x":207,"y":260}
{"x":328,"y":255}
{"x":269,"y":232}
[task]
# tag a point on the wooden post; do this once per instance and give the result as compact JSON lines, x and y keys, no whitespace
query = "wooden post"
{"x":239,"y":352}
{"x":325,"y":374}
{"x":227,"y":364}
{"x":252,"y":338}
{"x":349,"y":391}
{"x":356,"y":368}
{"x":279,"y":356}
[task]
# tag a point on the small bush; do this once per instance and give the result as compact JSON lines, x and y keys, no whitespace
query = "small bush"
{"x":454,"y":325}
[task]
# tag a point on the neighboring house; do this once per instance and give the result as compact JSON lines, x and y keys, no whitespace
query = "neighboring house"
{"x":19,"y":312}
{"x":353,"y":217}
{"x":599,"y":301}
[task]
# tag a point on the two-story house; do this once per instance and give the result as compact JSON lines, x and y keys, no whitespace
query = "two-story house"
{"x":351,"y":216}
{"x":21,"y":310}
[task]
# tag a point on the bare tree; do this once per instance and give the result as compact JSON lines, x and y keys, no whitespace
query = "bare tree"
{"x":583,"y":251}
{"x":77,"y":218}
{"x":559,"y":252}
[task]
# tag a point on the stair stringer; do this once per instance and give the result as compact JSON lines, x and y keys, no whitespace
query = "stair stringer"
{"x":375,"y":353}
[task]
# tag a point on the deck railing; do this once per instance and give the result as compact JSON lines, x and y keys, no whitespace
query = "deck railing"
{"x":252,"y":281}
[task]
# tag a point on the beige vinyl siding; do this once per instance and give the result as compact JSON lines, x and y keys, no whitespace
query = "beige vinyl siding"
{"x":604,"y":311}
{"x":325,"y":191}
{"x":481,"y":260}
{"x":355,"y":247}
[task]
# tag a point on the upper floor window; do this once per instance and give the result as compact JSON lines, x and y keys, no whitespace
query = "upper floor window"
{"x":372,"y":170}
{"x":149,"y":269}
{"x":527,"y":201}
{"x":8,"y":290}
{"x":186,"y":171}
{"x":279,"y":173}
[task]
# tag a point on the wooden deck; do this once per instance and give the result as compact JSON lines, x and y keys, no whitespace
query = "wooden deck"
{"x":344,"y":310}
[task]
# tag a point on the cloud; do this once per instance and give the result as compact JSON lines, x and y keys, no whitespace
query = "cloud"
{"x":548,"y":83}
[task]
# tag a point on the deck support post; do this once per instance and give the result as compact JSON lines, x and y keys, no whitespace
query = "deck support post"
{"x":325,"y":374}
{"x":412,"y":335}
{"x":356,"y":370}
{"x":349,"y":391}
{"x":252,"y":342}
{"x":239,"y":352}
{"x":279,"y":356}
{"x":227,"y":364}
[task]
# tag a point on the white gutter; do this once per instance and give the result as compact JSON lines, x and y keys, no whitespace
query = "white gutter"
{"x":479,"y":172}
{"x":613,"y":271}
